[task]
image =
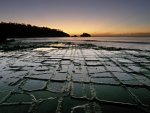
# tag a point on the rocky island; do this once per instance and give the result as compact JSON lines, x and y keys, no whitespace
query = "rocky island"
{"x":85,"y":35}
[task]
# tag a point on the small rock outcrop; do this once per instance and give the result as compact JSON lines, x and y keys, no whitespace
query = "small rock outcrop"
{"x":85,"y":35}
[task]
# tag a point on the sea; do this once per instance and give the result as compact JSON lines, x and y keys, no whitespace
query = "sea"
{"x":142,"y":43}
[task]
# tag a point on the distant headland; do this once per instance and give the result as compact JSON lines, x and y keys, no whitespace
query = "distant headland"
{"x":15,"y":30}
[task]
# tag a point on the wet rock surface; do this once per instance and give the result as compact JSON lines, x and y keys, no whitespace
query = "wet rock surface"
{"x":74,"y":78}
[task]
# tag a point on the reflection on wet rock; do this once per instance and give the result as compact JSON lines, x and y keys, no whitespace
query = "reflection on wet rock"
{"x":31,"y":85}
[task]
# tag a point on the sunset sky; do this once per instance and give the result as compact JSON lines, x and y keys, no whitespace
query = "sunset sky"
{"x":78,"y":16}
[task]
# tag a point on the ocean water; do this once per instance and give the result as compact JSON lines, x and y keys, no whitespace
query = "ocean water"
{"x":142,"y":43}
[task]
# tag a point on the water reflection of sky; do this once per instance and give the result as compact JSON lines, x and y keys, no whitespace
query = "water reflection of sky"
{"x":120,"y":42}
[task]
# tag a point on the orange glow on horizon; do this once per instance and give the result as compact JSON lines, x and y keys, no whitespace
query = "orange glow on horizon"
{"x":75,"y":17}
{"x":95,"y":29}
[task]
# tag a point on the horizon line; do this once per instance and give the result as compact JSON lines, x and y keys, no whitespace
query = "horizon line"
{"x":111,"y":34}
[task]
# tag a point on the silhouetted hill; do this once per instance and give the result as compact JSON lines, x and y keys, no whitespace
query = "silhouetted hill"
{"x":15,"y":30}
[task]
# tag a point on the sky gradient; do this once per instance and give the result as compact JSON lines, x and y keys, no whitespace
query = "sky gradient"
{"x":78,"y":16}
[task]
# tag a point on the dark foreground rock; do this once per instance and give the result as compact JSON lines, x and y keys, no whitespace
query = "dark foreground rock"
{"x":2,"y":39}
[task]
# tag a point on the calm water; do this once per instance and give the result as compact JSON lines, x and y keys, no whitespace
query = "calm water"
{"x":120,"y":42}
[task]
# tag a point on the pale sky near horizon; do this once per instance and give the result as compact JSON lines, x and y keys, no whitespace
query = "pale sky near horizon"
{"x":78,"y":16}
